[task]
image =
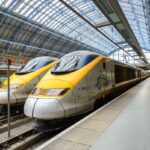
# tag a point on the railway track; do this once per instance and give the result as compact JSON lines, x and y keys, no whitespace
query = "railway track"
{"x":16,"y":121}
{"x":3,"y":119}
{"x":22,"y":140}
{"x":29,"y":138}
{"x":25,"y":140}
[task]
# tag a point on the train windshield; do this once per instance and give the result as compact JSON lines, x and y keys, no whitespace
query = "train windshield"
{"x":67,"y":64}
{"x":34,"y":65}
{"x":71,"y":63}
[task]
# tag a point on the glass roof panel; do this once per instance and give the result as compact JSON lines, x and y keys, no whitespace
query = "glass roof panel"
{"x":120,"y":55}
{"x":6,"y":3}
{"x":134,"y":12}
{"x":57,"y":17}
{"x":88,"y":10}
{"x":147,"y":54}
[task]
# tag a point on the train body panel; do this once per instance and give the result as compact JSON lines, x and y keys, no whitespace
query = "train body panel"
{"x":21,"y":84}
{"x":4,"y":96}
{"x":26,"y":78}
{"x":75,"y":91}
{"x":72,"y":103}
{"x":55,"y":108}
{"x":94,"y":84}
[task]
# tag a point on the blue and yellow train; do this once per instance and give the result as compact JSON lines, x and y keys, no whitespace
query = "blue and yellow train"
{"x":74,"y":85}
{"x":23,"y":81}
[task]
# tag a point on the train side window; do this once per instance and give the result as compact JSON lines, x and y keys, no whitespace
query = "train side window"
{"x":104,"y":65}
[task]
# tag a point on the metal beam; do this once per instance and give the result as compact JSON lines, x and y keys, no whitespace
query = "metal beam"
{"x":103,"y":24}
{"x":28,"y":46}
{"x":4,"y":12}
{"x":93,"y":26}
{"x":113,"y":12}
{"x":121,"y":42}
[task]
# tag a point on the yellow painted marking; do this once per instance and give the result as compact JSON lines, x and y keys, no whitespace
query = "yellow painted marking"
{"x":26,"y":78}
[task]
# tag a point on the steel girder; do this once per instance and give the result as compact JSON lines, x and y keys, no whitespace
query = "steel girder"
{"x":114,"y":13}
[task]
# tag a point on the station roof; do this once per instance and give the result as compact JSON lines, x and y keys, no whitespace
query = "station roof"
{"x":55,"y":27}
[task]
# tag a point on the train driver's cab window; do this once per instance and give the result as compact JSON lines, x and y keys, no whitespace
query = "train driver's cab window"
{"x":34,"y":65}
{"x":70,"y":63}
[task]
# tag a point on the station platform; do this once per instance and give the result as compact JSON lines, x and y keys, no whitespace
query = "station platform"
{"x":122,"y":124}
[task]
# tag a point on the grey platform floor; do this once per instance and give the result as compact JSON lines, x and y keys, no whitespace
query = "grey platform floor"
{"x":123,"y":124}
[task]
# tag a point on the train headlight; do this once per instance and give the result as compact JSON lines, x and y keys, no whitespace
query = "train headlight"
{"x":57,"y":92}
{"x":50,"y":92}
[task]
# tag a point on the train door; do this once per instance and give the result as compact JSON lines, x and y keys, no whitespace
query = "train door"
{"x":96,"y":83}
{"x":104,"y":76}
{"x":109,"y":75}
{"x":101,"y":78}
{"x":112,"y":77}
{"x":82,"y":95}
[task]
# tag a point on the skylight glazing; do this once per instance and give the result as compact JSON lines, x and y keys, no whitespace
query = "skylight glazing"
{"x":121,"y":56}
{"x":54,"y":15}
{"x":147,"y":54}
{"x":89,"y":11}
{"x":134,"y":12}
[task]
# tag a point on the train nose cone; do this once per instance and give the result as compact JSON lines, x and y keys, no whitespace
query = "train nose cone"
{"x":4,"y":97}
{"x":43,"y":108}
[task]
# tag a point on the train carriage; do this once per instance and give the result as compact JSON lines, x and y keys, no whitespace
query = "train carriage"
{"x":75,"y":83}
{"x":23,"y":81}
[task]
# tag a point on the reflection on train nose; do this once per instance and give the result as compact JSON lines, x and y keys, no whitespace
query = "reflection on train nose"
{"x":43,"y":108}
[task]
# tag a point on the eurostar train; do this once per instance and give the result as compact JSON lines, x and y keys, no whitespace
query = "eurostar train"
{"x":23,"y":81}
{"x":75,"y":84}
